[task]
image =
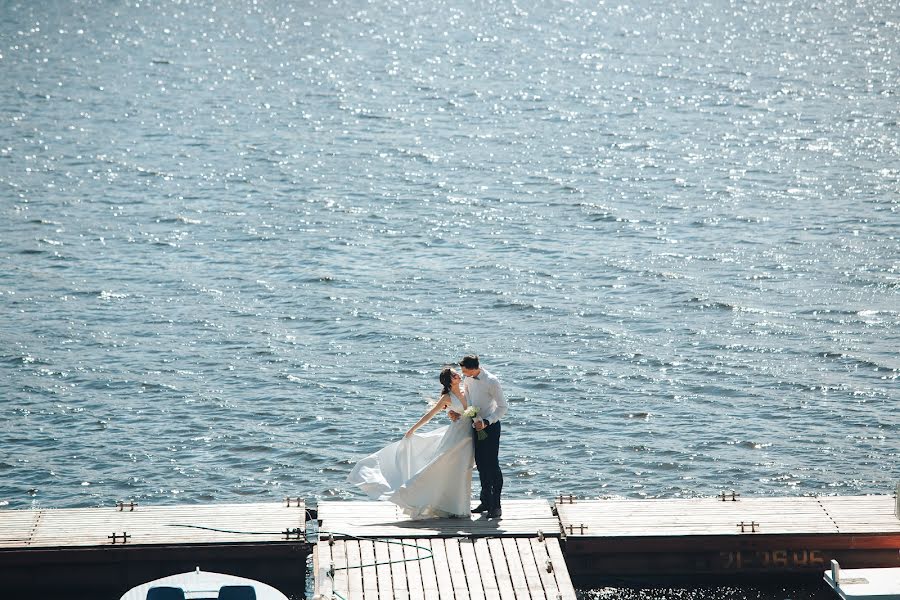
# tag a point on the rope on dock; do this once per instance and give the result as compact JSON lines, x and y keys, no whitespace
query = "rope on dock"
{"x":224,"y":530}
{"x":332,"y":570}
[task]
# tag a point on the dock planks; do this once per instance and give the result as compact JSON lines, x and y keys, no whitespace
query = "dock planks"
{"x":709,"y":535}
{"x":154,"y":525}
{"x":711,"y":516}
{"x":862,"y":514}
{"x":373,"y":550}
{"x":432,"y":568}
{"x":386,"y":520}
{"x":599,"y":538}
{"x":85,"y":551}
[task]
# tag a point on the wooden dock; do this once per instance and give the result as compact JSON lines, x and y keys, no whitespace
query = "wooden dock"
{"x":536,"y":550}
{"x":152,"y":525}
{"x":727,"y":535}
{"x":115,"y":548}
{"x":371,"y":550}
{"x":383,"y":519}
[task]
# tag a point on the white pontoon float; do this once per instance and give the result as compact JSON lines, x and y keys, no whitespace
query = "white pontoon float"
{"x":864,"y":584}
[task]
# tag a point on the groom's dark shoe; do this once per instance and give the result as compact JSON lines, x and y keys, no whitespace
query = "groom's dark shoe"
{"x":495,"y":514}
{"x":479,"y":509}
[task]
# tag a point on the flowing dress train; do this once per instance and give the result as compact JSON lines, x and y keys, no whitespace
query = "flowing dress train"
{"x":426,"y":475}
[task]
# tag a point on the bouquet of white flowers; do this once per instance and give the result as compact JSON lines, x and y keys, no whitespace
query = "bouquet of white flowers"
{"x":472,"y":412}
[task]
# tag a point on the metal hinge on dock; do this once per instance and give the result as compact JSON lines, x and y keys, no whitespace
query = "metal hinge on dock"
{"x":122,"y":506}
{"x":119,"y":537}
{"x":572,"y":528}
{"x":570,"y":499}
{"x":293,"y":534}
{"x":734,"y":496}
{"x":298,"y":502}
{"x":753,"y":525}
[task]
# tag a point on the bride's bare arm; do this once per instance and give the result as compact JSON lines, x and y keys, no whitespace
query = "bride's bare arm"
{"x":440,"y":405}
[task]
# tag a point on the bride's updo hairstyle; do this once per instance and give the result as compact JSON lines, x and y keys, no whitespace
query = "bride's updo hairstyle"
{"x":446,"y":379}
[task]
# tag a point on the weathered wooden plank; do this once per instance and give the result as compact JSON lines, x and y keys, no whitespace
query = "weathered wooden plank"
{"x":470,"y":562}
{"x":341,"y":561}
{"x":501,"y":568}
{"x":354,"y":570}
{"x":441,"y":568}
{"x":322,"y":561}
{"x":427,"y":571}
{"x":460,"y":573}
{"x":530,"y":569}
{"x":412,"y":554}
{"x":369,"y":570}
{"x":545,"y":567}
{"x":514,"y":565}
{"x":383,"y":569}
{"x":560,"y":572}
{"x":486,"y":569}
{"x":398,"y":570}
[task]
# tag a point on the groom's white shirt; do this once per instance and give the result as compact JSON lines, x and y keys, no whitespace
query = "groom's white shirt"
{"x":485,"y":393}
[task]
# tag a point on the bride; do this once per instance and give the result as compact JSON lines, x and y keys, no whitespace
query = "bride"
{"x":426,"y":474}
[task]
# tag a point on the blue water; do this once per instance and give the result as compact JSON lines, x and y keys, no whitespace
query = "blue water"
{"x":238,"y":241}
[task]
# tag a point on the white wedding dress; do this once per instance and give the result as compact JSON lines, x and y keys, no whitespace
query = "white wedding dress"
{"x":427,"y":475}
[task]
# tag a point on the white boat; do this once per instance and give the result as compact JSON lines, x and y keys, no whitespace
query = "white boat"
{"x":197,"y":585}
{"x":864,"y":584}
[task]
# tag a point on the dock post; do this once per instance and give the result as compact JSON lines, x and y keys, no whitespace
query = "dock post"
{"x":835,"y":572}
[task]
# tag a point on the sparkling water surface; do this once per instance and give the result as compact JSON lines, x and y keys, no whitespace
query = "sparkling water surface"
{"x":238,"y":242}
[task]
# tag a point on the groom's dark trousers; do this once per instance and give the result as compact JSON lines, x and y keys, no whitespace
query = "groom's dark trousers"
{"x":487,"y":459}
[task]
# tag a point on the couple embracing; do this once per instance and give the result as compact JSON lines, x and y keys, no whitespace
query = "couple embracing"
{"x":430,"y":474}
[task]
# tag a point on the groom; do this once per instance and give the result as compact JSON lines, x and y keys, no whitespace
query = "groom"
{"x":483,"y":390}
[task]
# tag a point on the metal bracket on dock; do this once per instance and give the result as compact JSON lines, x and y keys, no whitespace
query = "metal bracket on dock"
{"x":563,"y":499}
{"x":540,"y":535}
{"x":290,"y":501}
{"x":121,"y":506}
{"x":734,"y":496}
{"x":116,"y":537}
{"x":293,"y":534}
{"x":330,"y":539}
{"x":753,"y":525}
{"x":549,"y":566}
{"x":580,"y":527}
